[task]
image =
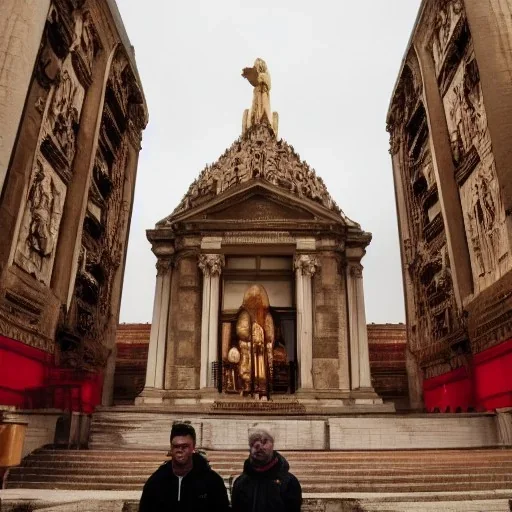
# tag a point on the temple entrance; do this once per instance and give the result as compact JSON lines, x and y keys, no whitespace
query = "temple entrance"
{"x":258,"y":327}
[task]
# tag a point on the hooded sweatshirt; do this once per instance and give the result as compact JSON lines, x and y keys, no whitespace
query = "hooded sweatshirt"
{"x":202,"y":489}
{"x":272,"y":490}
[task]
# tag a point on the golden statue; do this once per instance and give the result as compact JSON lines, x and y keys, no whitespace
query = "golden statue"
{"x":255,"y":333}
{"x":259,"y":77}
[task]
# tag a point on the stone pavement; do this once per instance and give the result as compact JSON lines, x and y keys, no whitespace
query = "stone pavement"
{"x":126,"y":501}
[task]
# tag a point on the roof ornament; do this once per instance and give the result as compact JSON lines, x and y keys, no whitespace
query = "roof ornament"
{"x":260,"y":112}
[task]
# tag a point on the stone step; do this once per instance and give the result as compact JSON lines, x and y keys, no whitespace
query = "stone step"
{"x":364,"y":471}
{"x":137,"y":466}
{"x":323,"y":488}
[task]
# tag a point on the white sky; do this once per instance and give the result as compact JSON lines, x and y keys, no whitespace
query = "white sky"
{"x":333,"y":64}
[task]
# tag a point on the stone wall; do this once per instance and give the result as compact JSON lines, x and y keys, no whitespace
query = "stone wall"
{"x":67,"y":191}
{"x":449,"y":140}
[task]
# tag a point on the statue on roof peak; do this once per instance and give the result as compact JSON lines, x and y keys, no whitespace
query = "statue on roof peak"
{"x":260,"y":112}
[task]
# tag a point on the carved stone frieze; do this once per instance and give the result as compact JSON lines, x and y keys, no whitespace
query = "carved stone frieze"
{"x":449,"y":14}
{"x":484,"y":214}
{"x":211,"y":264}
{"x":85,"y":46}
{"x":48,"y":65}
{"x":465,"y":111}
{"x":64,"y":113}
{"x":307,"y":264}
{"x":484,"y":217}
{"x":39,"y":229}
{"x":258,"y":155}
{"x":489,"y":318}
{"x":18,"y":329}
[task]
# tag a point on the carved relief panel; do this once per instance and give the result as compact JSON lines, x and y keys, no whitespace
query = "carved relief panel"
{"x":483,"y":211}
{"x":68,"y":28}
{"x":432,"y":314}
{"x":447,"y":25}
{"x":35,"y":250}
{"x":484,"y":219}
{"x":104,"y":229}
{"x":62,"y":121}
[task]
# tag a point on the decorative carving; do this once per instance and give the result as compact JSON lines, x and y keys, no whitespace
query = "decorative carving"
{"x":63,"y":115}
{"x":356,"y":270}
{"x":211,"y":264}
{"x":465,"y":112}
{"x":484,"y":217}
{"x":306,"y":264}
{"x":48,"y":65}
{"x":40,"y":223}
{"x":257,"y":155}
{"x":163,"y":265}
{"x":260,"y":112}
{"x":448,"y":16}
{"x":84,"y":47}
{"x":30,"y":335}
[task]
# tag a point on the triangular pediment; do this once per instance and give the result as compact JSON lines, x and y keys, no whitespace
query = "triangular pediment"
{"x":257,"y":207}
{"x":256,"y":202}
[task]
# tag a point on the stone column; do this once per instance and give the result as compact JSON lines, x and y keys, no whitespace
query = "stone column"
{"x":21,"y":30}
{"x":305,"y":268}
{"x":359,"y":356}
{"x":211,"y":265}
{"x":158,"y":337}
{"x":448,"y":189}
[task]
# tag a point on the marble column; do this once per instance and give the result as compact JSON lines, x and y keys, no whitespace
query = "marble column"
{"x":359,"y":355}
{"x":158,"y":335}
{"x":211,"y":266}
{"x":305,"y":267}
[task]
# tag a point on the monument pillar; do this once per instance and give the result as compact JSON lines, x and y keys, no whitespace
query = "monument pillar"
{"x":305,"y":267}
{"x":211,"y":266}
{"x":359,"y":355}
{"x":158,"y":336}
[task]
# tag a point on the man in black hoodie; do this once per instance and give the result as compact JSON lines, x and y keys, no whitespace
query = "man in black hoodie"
{"x":186,"y":482}
{"x":266,"y":485}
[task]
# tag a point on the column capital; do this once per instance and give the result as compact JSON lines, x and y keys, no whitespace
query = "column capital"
{"x":307,"y":264}
{"x":163,"y":265}
{"x":355,"y":269}
{"x":211,"y":264}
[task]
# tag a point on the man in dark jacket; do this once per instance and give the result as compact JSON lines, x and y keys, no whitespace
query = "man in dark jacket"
{"x":186,"y":482}
{"x":266,"y":485}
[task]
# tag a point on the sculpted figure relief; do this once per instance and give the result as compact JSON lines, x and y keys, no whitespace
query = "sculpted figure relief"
{"x":465,"y":111}
{"x":40,"y":224}
{"x":255,"y":333}
{"x":447,"y":18}
{"x":484,"y":220}
{"x":64,"y":115}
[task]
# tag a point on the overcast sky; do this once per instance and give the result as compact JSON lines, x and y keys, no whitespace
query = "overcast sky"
{"x":333,"y":64}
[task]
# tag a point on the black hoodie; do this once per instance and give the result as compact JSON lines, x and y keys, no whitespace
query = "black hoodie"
{"x":273,"y":490}
{"x":202,"y":489}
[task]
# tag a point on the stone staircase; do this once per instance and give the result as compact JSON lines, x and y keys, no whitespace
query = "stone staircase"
{"x":433,"y":471}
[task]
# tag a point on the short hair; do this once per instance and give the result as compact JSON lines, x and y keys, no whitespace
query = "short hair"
{"x":260,"y":433}
{"x":182,"y":428}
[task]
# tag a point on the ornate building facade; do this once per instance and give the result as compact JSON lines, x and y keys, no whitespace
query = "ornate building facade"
{"x":71,"y":128}
{"x":450,"y":146}
{"x":259,"y":282}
